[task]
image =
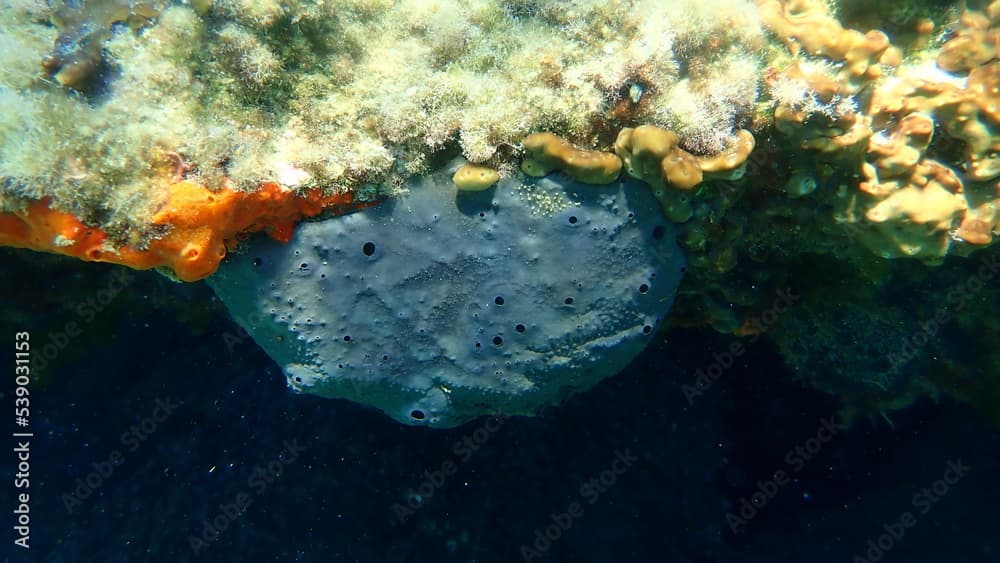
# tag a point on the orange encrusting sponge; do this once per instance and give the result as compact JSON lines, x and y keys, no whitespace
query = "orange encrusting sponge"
{"x":202,"y":224}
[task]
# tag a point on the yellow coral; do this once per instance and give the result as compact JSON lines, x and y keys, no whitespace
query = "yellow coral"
{"x":830,"y":124}
{"x":809,"y":24}
{"x":907,"y":203}
{"x":475,"y":178}
{"x":546,"y":153}
{"x":732,"y":159}
{"x":652,"y":155}
{"x":975,"y":41}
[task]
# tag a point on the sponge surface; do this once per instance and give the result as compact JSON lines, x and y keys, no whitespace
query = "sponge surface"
{"x":437,"y":308}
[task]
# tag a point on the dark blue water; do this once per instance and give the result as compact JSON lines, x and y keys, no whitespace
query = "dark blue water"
{"x":195,"y":451}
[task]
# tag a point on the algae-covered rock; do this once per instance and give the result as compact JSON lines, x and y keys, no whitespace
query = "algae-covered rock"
{"x":359,"y":96}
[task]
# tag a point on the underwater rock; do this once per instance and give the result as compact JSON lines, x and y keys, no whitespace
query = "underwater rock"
{"x":437,"y":309}
{"x":350,"y":96}
{"x":77,"y":57}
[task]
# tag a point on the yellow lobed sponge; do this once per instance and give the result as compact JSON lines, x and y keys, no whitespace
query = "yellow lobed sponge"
{"x":475,"y":178}
{"x":545,"y":153}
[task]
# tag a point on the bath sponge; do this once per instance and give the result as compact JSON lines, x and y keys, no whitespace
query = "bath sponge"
{"x":439,"y":307}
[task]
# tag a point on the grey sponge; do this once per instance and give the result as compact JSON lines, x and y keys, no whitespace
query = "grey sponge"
{"x":437,"y":308}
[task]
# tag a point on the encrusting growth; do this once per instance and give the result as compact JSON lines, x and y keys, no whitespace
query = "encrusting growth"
{"x":914,"y":197}
{"x":545,"y":152}
{"x":310,"y":96}
{"x":200,"y":226}
{"x":475,"y":178}
{"x":654,"y":156}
